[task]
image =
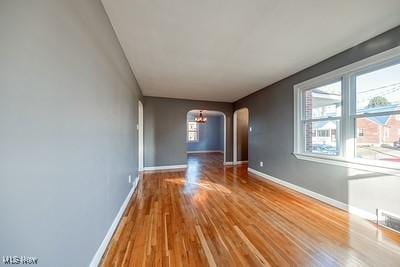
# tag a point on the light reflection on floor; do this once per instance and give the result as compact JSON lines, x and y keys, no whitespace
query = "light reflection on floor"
{"x":196,"y":178}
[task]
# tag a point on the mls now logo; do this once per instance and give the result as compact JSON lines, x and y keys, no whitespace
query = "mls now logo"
{"x":20,"y":260}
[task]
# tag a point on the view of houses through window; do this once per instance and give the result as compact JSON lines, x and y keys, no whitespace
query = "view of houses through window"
{"x":322,"y":113}
{"x":378,"y":98}
{"x":374,"y":116}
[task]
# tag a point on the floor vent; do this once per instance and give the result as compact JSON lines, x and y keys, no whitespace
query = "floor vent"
{"x":388,"y":220}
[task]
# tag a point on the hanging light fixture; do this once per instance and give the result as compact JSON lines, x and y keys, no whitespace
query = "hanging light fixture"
{"x":200,"y":118}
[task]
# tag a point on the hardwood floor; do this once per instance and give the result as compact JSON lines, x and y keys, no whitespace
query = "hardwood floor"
{"x":223,"y":216}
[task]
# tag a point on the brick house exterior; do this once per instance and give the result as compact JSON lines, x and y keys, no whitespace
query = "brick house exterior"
{"x":374,"y":132}
{"x":308,"y":114}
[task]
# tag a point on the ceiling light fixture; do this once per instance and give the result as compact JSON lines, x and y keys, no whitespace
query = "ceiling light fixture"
{"x":200,"y":118}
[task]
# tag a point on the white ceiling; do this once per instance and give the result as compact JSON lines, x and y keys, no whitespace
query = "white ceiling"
{"x":223,"y":50}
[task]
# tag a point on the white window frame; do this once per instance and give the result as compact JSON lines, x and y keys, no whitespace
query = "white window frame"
{"x":347,"y":130}
{"x":197,"y":132}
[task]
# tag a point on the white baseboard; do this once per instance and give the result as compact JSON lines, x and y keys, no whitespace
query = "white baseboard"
{"x":333,"y":202}
{"x":102,"y":249}
{"x":205,"y":151}
{"x":240,"y":162}
{"x":228,"y":163}
{"x":168,"y":167}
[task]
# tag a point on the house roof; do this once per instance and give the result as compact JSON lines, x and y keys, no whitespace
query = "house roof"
{"x":380,"y":120}
{"x":387,"y":108}
{"x":324,"y":125}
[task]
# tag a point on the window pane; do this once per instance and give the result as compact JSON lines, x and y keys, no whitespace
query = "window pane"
{"x":192,"y":126}
{"x":192,"y":136}
{"x":323,"y":102}
{"x":322,"y":137}
{"x":379,"y":139}
{"x":378,"y":91}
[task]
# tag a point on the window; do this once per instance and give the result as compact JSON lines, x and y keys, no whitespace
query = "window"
{"x":321,"y":116}
{"x":351,"y":114}
{"x":324,"y":133}
{"x":192,"y":131}
{"x":377,"y":102}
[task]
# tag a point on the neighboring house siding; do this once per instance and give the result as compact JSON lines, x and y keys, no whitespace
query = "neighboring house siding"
{"x":394,"y":122}
{"x":370,"y":130}
{"x":378,"y":134}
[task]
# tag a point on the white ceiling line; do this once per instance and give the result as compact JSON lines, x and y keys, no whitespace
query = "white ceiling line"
{"x":224,"y":50}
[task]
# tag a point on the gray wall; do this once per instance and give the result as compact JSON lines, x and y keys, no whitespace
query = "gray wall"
{"x":68,"y":138}
{"x":242,"y":134}
{"x":211,"y":136}
{"x":271,"y":141}
{"x":165,"y":128}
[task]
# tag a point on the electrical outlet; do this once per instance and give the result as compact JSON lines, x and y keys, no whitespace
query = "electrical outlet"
{"x":261,"y":163}
{"x":130,"y":178}
{"x":250,"y":129}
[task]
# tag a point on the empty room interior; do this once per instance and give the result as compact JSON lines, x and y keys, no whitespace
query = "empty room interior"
{"x":199,"y":133}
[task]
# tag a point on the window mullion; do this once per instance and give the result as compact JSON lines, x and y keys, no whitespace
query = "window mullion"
{"x":345,"y":115}
{"x":349,"y":104}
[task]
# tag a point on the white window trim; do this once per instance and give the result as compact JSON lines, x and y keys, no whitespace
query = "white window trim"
{"x":346,"y":156}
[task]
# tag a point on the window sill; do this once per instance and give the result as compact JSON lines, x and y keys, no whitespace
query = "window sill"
{"x":354,"y":164}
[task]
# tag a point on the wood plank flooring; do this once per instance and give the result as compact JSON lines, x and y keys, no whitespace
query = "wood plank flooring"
{"x":211,"y":215}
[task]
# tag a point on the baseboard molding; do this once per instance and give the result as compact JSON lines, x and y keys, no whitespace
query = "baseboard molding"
{"x":168,"y":167}
{"x":102,"y":249}
{"x":205,"y":151}
{"x":228,"y":163}
{"x":333,"y":202}
{"x":240,"y":162}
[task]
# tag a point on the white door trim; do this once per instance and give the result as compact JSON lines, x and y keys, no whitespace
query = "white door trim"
{"x":140,"y":136}
{"x":235,"y":136}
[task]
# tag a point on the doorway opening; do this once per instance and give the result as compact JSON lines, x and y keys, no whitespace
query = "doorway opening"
{"x":240,"y":136}
{"x":207,"y":137}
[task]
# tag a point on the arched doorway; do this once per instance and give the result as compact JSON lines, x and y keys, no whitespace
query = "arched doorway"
{"x":201,"y":138}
